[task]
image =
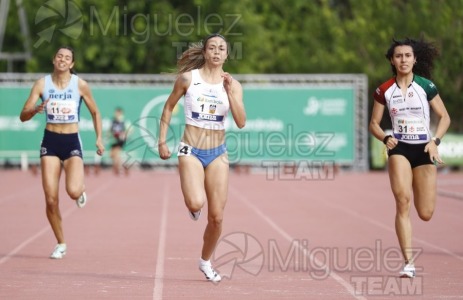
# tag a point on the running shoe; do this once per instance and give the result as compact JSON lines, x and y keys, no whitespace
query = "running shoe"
{"x":195,"y":215}
{"x":208,"y":271}
{"x":82,"y":200}
{"x":408,"y":271}
{"x":59,"y":251}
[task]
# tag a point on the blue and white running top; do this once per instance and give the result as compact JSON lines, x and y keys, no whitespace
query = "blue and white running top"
{"x":206,"y":105}
{"x":63,"y":105}
{"x":410,"y":112}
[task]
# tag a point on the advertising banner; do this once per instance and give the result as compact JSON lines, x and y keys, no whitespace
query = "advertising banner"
{"x":283,"y":123}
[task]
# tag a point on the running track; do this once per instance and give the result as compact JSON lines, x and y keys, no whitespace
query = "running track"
{"x":294,"y":239}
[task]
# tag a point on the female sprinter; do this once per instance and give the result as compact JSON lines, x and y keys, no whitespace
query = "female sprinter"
{"x":62,"y":93}
{"x":209,"y":93}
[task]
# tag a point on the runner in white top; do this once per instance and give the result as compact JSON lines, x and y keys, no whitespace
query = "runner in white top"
{"x":412,"y":148}
{"x":203,"y":162}
{"x":206,"y":105}
{"x":409,"y":112}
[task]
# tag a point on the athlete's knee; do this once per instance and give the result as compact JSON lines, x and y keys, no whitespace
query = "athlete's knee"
{"x":425,"y":214}
{"x":215,"y":220}
{"x":52,"y":203}
{"x":403,"y":204}
{"x":195,"y":204}
{"x":74,"y":192}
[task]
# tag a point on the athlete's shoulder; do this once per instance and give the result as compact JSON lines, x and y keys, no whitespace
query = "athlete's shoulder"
{"x":41,"y":80}
{"x":387,"y":84}
{"x":39,"y":84}
{"x":185,"y":78}
{"x":236,"y":86}
{"x":83,"y":87}
{"x":82,"y":83}
{"x":379,"y":94}
{"x":424,"y":82}
{"x":44,"y":79}
{"x":421,"y":79}
{"x":427,"y":85}
{"x":182,"y":83}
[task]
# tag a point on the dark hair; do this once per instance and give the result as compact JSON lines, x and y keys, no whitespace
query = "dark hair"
{"x":210,"y":36}
{"x":424,"y":52}
{"x":193,"y":57}
{"x":72,"y":51}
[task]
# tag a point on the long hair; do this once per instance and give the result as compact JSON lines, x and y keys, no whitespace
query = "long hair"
{"x":425,"y":53}
{"x":72,"y":51}
{"x":193,"y":57}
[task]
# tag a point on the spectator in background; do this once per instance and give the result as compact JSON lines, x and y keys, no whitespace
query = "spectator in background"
{"x":62,"y":93}
{"x":118,"y":135}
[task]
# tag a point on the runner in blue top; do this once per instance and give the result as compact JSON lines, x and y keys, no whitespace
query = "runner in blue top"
{"x":61,"y":96}
{"x":209,"y":93}
{"x":412,"y":148}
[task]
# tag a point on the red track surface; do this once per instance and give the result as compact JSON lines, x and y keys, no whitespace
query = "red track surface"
{"x":295,"y":239}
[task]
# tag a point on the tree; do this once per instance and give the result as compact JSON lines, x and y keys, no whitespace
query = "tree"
{"x":268,"y":36}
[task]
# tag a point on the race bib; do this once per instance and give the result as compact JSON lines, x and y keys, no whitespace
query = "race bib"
{"x":58,"y":110}
{"x":410,"y":129}
{"x":184,"y":149}
{"x":209,"y":108}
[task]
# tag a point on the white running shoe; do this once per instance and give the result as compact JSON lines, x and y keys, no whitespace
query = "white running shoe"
{"x":408,"y":271}
{"x":59,"y":251}
{"x":208,"y":271}
{"x":194,"y":215}
{"x":82,"y":200}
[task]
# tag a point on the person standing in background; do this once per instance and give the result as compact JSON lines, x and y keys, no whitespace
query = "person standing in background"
{"x":119,"y":131}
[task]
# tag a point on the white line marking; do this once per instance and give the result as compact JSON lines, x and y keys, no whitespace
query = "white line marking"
{"x":289,"y":238}
{"x":47,"y":228}
{"x":159,"y":276}
{"x":27,"y":242}
{"x":449,"y":194}
{"x":23,"y":194}
{"x":442,"y":191}
{"x":389,"y":228}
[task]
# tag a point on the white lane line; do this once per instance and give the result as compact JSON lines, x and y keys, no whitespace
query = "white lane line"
{"x":444,"y":192}
{"x":290,"y":239}
{"x":159,"y":276}
{"x":449,"y":194}
{"x":28,"y":241}
{"x":23,"y":194}
{"x":32,"y":238}
{"x":390,"y":228}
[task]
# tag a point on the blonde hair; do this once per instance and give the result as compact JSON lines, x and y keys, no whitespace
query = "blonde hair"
{"x":192,"y":58}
